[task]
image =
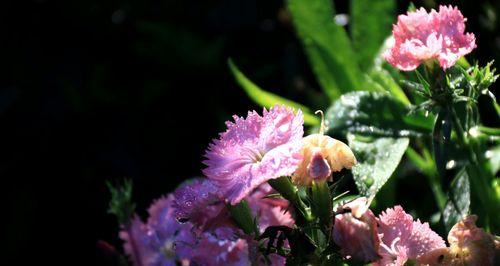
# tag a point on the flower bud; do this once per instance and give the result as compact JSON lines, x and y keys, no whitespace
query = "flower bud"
{"x":355,"y":231}
{"x":322,"y":155}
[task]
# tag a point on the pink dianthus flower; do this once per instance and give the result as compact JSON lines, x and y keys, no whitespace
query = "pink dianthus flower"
{"x":153,"y":243}
{"x":420,"y":36}
{"x":198,"y":202}
{"x":469,"y":245}
{"x":403,"y":239}
{"x":355,"y":231}
{"x":254,"y":150}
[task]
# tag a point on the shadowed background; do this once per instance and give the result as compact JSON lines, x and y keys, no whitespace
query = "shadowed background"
{"x":102,"y":90}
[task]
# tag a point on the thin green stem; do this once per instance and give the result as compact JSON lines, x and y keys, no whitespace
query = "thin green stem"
{"x":290,"y":192}
{"x":489,"y":130}
{"x":479,"y":177}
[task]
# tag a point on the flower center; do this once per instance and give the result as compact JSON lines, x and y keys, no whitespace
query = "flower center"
{"x":391,"y":250}
{"x":168,"y":249}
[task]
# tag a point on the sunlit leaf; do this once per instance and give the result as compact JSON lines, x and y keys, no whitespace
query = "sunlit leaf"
{"x":371,"y":23}
{"x":327,"y":45}
{"x":493,"y":156}
{"x":441,"y":137}
{"x":458,"y":200}
{"x":267,"y":99}
{"x":377,"y":160}
{"x":375,"y":113}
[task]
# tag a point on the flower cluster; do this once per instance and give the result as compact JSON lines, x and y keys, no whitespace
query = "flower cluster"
{"x":197,"y":224}
{"x":394,"y":238}
{"x":193,"y":226}
{"x":269,"y":195}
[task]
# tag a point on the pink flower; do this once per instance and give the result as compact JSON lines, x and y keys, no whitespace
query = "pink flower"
{"x":404,"y":239}
{"x":269,"y":212}
{"x":198,"y":203}
{"x":421,"y":36}
{"x":254,"y":150}
{"x":153,"y":243}
{"x":355,"y":231}
{"x":469,"y":245}
{"x":220,"y":246}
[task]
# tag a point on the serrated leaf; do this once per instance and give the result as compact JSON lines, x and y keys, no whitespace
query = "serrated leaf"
{"x":327,"y":45}
{"x":371,"y":23}
{"x":458,"y":203}
{"x":376,"y":114}
{"x":377,"y":160}
{"x":268,"y":99}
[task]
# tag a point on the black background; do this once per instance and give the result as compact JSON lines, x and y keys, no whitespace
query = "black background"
{"x":101,"y":90}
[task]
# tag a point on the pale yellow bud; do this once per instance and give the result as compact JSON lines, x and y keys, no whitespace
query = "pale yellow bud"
{"x":322,"y":155}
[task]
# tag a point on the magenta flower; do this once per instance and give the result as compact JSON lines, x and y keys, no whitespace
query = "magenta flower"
{"x":198,"y":203}
{"x":420,"y":36}
{"x":220,"y":246}
{"x":153,"y":243}
{"x":404,"y":239}
{"x":254,"y":150}
{"x":192,"y":226}
{"x":355,"y":231}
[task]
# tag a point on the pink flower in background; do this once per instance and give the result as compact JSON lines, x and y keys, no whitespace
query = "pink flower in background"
{"x":355,"y":231}
{"x":254,"y":150}
{"x":220,"y":246}
{"x":404,"y":239}
{"x":421,"y":36}
{"x":269,"y":212}
{"x":153,"y":243}
{"x":469,"y":245}
{"x":198,"y":202}
{"x":192,"y":226}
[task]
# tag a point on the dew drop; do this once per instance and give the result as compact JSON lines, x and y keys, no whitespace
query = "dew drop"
{"x":369,"y":181}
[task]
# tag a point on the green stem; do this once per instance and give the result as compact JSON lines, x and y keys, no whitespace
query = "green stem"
{"x":322,"y":204}
{"x":290,"y":192}
{"x":479,"y":177}
{"x":489,"y":130}
{"x":426,"y":164}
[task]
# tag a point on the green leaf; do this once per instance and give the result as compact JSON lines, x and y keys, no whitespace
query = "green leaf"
{"x":267,"y":99}
{"x":371,"y":23}
{"x":243,"y":217}
{"x":121,"y":204}
{"x":441,"y":137}
{"x":290,"y":192}
{"x":493,"y":156}
{"x":458,"y":200}
{"x":321,"y":200}
{"x":327,"y":45}
{"x":387,"y":83}
{"x":377,"y":160}
{"x":375,"y":113}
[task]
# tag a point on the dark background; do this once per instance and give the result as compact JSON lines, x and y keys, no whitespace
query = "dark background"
{"x":94,"y":90}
